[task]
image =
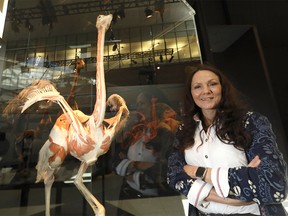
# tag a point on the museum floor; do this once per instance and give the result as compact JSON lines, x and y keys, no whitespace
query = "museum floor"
{"x":68,"y":201}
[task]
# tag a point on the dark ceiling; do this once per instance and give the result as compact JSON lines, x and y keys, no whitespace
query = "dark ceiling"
{"x":18,"y":10}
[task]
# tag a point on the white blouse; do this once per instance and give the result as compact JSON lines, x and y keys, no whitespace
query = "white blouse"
{"x":213,"y":153}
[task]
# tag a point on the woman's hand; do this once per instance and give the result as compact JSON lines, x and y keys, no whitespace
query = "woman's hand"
{"x":224,"y":200}
{"x":255,"y":162}
{"x":190,"y":170}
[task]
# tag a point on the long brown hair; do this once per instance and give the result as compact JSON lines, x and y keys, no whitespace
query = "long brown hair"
{"x":229,"y":113}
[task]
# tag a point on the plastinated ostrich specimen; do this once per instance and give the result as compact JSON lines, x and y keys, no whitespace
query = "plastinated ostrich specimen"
{"x":82,"y":136}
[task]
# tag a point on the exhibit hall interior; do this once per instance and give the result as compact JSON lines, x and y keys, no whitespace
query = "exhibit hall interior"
{"x":91,"y":95}
{"x":142,"y":56}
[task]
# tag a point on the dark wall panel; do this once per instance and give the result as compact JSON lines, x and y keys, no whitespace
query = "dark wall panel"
{"x":242,"y":62}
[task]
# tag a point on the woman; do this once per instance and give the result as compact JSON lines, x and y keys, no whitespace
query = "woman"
{"x":225,"y":159}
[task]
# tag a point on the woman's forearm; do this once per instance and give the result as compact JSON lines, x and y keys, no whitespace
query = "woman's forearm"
{"x":213,"y":196}
{"x":229,"y":201}
{"x":191,"y":171}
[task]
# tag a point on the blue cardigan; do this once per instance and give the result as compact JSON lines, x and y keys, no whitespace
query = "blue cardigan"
{"x":265,"y":185}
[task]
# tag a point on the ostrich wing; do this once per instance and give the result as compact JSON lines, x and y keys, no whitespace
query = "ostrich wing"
{"x":47,"y":92}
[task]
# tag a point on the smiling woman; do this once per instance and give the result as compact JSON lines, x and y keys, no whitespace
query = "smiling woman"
{"x":206,"y":92}
{"x":222,"y":155}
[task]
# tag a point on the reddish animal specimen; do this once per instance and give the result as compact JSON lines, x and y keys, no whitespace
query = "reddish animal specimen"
{"x":82,"y":136}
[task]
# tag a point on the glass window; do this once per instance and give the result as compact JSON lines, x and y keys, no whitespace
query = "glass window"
{"x":51,"y":49}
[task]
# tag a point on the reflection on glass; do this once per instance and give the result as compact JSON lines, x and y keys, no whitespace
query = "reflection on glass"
{"x":139,"y":52}
{"x":142,"y":146}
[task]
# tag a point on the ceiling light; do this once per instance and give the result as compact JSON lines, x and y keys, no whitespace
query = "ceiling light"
{"x":148,"y":12}
{"x":114,"y":48}
{"x":159,"y":6}
{"x":29,"y":26}
{"x":121,"y":13}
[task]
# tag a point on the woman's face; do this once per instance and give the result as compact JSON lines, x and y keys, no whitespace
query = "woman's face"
{"x":206,"y":89}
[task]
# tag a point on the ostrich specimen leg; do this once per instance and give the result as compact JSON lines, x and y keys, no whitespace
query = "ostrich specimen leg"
{"x":93,"y":202}
{"x":82,"y":136}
